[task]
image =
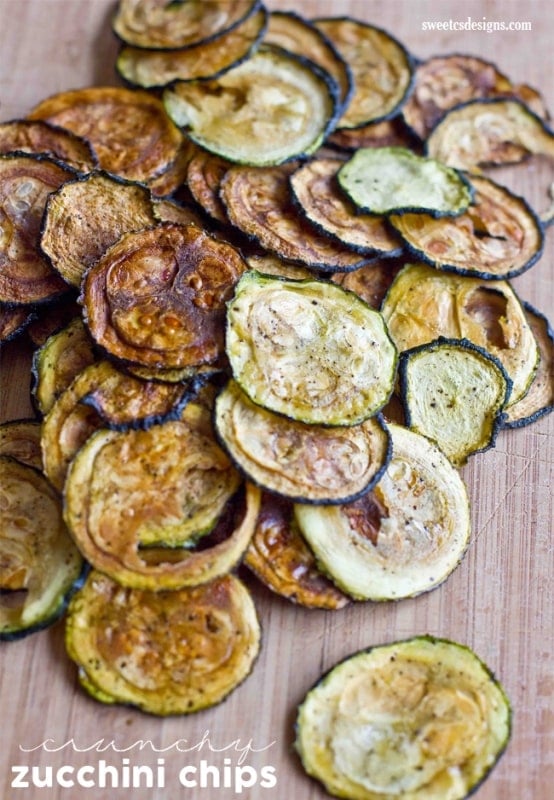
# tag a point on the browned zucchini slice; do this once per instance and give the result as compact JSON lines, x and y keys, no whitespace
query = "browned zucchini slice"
{"x":316,"y":190}
{"x":166,"y":210}
{"x":163,"y":25}
{"x":86,"y":216}
{"x":129,"y":129}
{"x":14,"y":320}
{"x":382,"y":69}
{"x":307,"y":463}
{"x":272,"y":108}
{"x":499,"y":236}
{"x":388,"y":133}
{"x":39,"y":564}
{"x":424,"y":303}
{"x":26,"y":181}
{"x":20,"y":439}
{"x":404,"y":537}
{"x":372,"y":281}
{"x":443,"y":82}
{"x":259,"y":203}
{"x":485,"y":132}
{"x":52,"y":317}
{"x":423,"y":719}
{"x":171,"y":179}
{"x":539,"y":400}
{"x":309,"y":350}
{"x":204,"y":175}
{"x":164,"y":652}
{"x":157,"y":297}
{"x":271,"y":264}
{"x":454,"y":392}
{"x":280,"y":558}
{"x":36,"y":136}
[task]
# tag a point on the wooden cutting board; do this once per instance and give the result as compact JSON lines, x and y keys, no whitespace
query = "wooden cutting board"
{"x":500,"y":599}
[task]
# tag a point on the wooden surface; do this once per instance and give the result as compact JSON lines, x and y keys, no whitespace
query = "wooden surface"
{"x":500,"y":599}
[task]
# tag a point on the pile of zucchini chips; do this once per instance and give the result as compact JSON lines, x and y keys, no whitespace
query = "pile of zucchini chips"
{"x":267,"y":284}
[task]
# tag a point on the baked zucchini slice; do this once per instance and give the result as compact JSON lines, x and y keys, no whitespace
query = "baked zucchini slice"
{"x":157,"y":297}
{"x":372,"y":281}
{"x":454,"y":393}
{"x":388,"y":133}
{"x":20,"y":439}
{"x":163,"y":652}
{"x":307,"y":463}
{"x":204,"y":175}
{"x":382,"y":69}
{"x":309,"y":350}
{"x":171,"y":210}
{"x":403,"y":538}
{"x":385,"y":180}
{"x":320,"y":199}
{"x":53,"y":317}
{"x":36,"y":136}
{"x":424,"y":303}
{"x":282,"y":561}
{"x":14,"y":320}
{"x":498,"y":236}
{"x":272,"y":108}
{"x":39,"y":564}
{"x":420,"y":719}
{"x":271,"y":264}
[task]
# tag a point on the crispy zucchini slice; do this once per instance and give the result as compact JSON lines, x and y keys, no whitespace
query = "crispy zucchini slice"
{"x":372,"y":281}
{"x":151,"y":69}
{"x":129,"y":130}
{"x":424,"y":303}
{"x":166,"y":210}
{"x":307,"y":463}
{"x":281,"y":560}
{"x":485,"y":132}
{"x":388,"y":133}
{"x":52,"y":317}
{"x":157,"y":297}
{"x":39,"y":564}
{"x":309,"y":350}
{"x":382,"y":69}
{"x":539,"y":399}
{"x":316,"y":191}
{"x":403,"y":538}
{"x":26,"y":181}
{"x":86,"y":216}
{"x":164,"y":652}
{"x":272,"y":108}
{"x":204,"y":175}
{"x":498,"y":237}
{"x":271,"y":264}
{"x":384,"y":180}
{"x":423,"y":719}
{"x":20,"y":439}
{"x":454,"y":393}
{"x":259,"y":203}
{"x":36,"y":136}
{"x":14,"y":320}
{"x":163,"y":25}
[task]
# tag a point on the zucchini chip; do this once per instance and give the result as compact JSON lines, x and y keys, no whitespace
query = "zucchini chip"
{"x":26,"y":181}
{"x":382,"y":69}
{"x":20,"y":439}
{"x":39,"y":564}
{"x":281,"y":560}
{"x":129,"y":129}
{"x":403,"y":538}
{"x":454,"y":393}
{"x":14,"y":320}
{"x":86,"y":216}
{"x":157,"y":297}
{"x":259,"y":203}
{"x":166,"y":210}
{"x":272,"y":108}
{"x":499,"y":236}
{"x":52,"y":317}
{"x":204,"y":175}
{"x":389,"y":133}
{"x":309,"y":350}
{"x":489,"y":132}
{"x":164,"y":652}
{"x":307,"y":463}
{"x":321,"y":200}
{"x":152,"y":69}
{"x":163,"y":25}
{"x":424,"y":303}
{"x":385,"y":180}
{"x":372,"y":281}
{"x":539,"y":400}
{"x":36,"y":136}
{"x":270,"y":264}
{"x":423,"y":719}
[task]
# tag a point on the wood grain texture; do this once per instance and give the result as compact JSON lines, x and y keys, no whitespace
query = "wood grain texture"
{"x":499,"y":601}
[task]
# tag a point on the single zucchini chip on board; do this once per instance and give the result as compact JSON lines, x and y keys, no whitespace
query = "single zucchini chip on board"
{"x":270,"y":109}
{"x":420,"y":719}
{"x":39,"y":563}
{"x":36,"y":136}
{"x":403,"y":538}
{"x":454,"y":393}
{"x":20,"y":439}
{"x":309,"y":350}
{"x":164,"y":652}
{"x":385,"y":180}
{"x":307,"y":463}
{"x":282,"y":561}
